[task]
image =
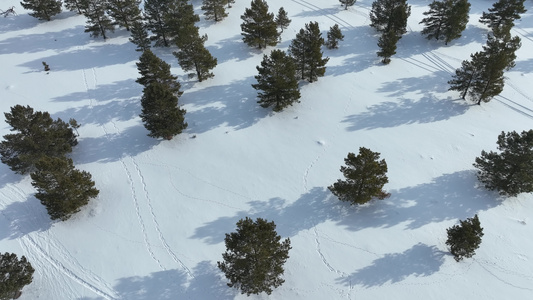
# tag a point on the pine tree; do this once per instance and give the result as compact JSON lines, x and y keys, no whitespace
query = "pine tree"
{"x":464,"y":239}
{"x":139,"y":36}
{"x":42,"y":9}
{"x":510,"y":172}
{"x":277,"y":81}
{"x":365,"y":178}
{"x":153,"y":69}
{"x":390,"y":15}
{"x":229,"y":2}
{"x":254,"y":257}
{"x":194,"y":56}
{"x":503,"y":13}
{"x":282,"y":19}
{"x":154,"y":14}
{"x":334,"y":36}
{"x":469,"y":73}
{"x":214,"y":9}
{"x":37,"y":135}
{"x":347,"y":3}
{"x":160,"y":112}
{"x":259,"y":28}
{"x":77,"y":5}
{"x":124,"y":12}
{"x":387,"y":44}
{"x":61,"y":188}
{"x":14,"y":275}
{"x":446,"y":19}
{"x":306,"y":51}
{"x":98,"y":22}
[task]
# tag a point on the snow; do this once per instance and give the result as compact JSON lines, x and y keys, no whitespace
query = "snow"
{"x":157,"y":228}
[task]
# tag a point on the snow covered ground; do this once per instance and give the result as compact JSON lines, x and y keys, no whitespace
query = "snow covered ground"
{"x":156,"y":230}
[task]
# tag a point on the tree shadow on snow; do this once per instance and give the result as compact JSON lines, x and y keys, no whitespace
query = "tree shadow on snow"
{"x":24,"y":217}
{"x":420,"y":261}
{"x":232,"y":48}
{"x":14,"y":23}
{"x":37,"y":42}
{"x":174,"y":284}
{"x":404,"y":112}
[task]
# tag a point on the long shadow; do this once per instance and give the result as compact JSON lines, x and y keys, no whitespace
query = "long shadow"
{"x":420,"y":261}
{"x":174,"y":284}
{"x":234,"y":105}
{"x":31,"y":43}
{"x":434,"y":83}
{"x":7,"y":176}
{"x":524,"y":66}
{"x":232,"y":48}
{"x":24,"y":217}
{"x":404,"y":112}
{"x":19,"y":22}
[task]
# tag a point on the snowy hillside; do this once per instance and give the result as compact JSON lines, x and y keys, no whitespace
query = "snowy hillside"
{"x":157,"y":228}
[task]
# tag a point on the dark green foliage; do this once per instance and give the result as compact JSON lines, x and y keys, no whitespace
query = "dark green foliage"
{"x":194,"y":56}
{"x":98,"y":22}
{"x":503,"y":14}
{"x":387,"y":44}
{"x":254,"y":257}
{"x":37,"y":135}
{"x":139,"y":36}
{"x":160,"y":112}
{"x":61,"y":188}
{"x":334,"y":36}
{"x":14,"y":275}
{"x":390,"y":15}
{"x":277,"y":81}
{"x":229,"y":2}
{"x":124,"y":12}
{"x":467,"y":74}
{"x":42,"y":9}
{"x":510,"y":172}
{"x":365,"y":178}
{"x":306,"y":51}
{"x":214,"y":9}
{"x":347,"y":3}
{"x":446,"y":19}
{"x":282,"y":19}
{"x":464,"y":239}
{"x":153,"y":69}
{"x":259,"y":28}
{"x":154,"y":14}
{"x":180,"y":20}
{"x":77,"y":5}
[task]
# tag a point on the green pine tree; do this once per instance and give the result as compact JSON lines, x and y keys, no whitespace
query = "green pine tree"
{"x":153,"y":69}
{"x":37,"y":135}
{"x":214,"y":9}
{"x":14,"y":275}
{"x":80,"y":6}
{"x":42,"y":9}
{"x":139,"y":36}
{"x":160,"y":112}
{"x":180,"y":19}
{"x":365,"y":177}
{"x":334,"y":36}
{"x":229,"y":2}
{"x":124,"y":12}
{"x":503,"y":13}
{"x":347,"y":3}
{"x":464,"y":239}
{"x":390,"y":15}
{"x":154,"y":14}
{"x":467,"y":74}
{"x":259,"y":28}
{"x":193,"y":56}
{"x":387,"y":44}
{"x":306,"y":51}
{"x":254,"y":257}
{"x":98,"y":22}
{"x":510,"y":172}
{"x":277,"y":81}
{"x":61,"y":188}
{"x":282,"y":19}
{"x":446,"y":19}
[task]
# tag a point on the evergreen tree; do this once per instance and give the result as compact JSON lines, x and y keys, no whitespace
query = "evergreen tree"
{"x":229,"y":2}
{"x":214,"y":9}
{"x":124,"y":12}
{"x":468,"y":74}
{"x":180,"y":19}
{"x":154,"y":14}
{"x":254,"y":257}
{"x":282,"y":19}
{"x":510,"y":172}
{"x":61,"y":188}
{"x":306,"y":51}
{"x":259,"y":28}
{"x":277,"y":81}
{"x":139,"y":36}
{"x":77,"y":5}
{"x":14,"y":275}
{"x":334,"y":36}
{"x":42,"y":9}
{"x":387,"y":44}
{"x":160,"y":112}
{"x":98,"y":22}
{"x":464,"y":239}
{"x":365,"y":178}
{"x":153,"y":69}
{"x":347,"y":3}
{"x":194,"y":56}
{"x":37,"y":135}
{"x":503,"y":13}
{"x":390,"y":15}
{"x":446,"y":19}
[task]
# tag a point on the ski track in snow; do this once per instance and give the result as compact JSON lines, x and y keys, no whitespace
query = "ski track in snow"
{"x":485,"y":265}
{"x":332,"y":17}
